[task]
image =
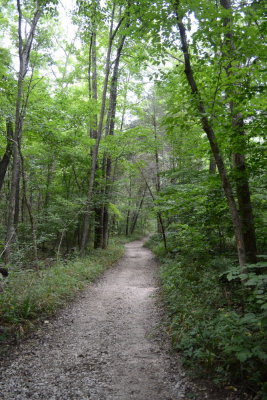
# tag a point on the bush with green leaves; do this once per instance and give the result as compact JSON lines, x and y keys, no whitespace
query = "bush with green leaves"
{"x":218,"y":315}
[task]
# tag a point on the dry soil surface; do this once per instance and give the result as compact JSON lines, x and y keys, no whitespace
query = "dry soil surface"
{"x":107,"y":345}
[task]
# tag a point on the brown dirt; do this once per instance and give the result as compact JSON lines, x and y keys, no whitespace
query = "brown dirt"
{"x":110,"y":344}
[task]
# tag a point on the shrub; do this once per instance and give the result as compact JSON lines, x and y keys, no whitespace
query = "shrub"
{"x":218,"y":316}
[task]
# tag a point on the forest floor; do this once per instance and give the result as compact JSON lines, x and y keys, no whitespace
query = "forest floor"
{"x":109,"y":344}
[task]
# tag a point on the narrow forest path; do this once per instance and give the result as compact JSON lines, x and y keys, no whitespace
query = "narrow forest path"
{"x":107,"y":345}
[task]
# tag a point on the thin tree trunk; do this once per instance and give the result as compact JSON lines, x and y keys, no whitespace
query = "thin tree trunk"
{"x":129,"y":209}
{"x":50,"y":169}
{"x":93,"y":83}
{"x":24,"y":57}
{"x":29,"y":208}
{"x":110,"y":131}
{"x":127,"y":222}
{"x":97,"y":216}
{"x":98,"y":227}
{"x":244,"y":199}
{"x":154,"y":123}
{"x":98,"y":209}
{"x":136,"y":215}
{"x":11,"y":232}
{"x":159,"y":216}
{"x":238,"y":157}
{"x":208,"y":129}
{"x":6,"y":157}
{"x":124,"y":102}
{"x":60,"y":243}
{"x":17,"y":202}
{"x":212,"y":166}
{"x":86,"y":225}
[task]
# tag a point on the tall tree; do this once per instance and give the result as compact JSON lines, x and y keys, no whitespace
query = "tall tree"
{"x":239,"y":140}
{"x":24,"y":49}
{"x":208,"y":129}
{"x":110,"y":126}
{"x":112,"y":34}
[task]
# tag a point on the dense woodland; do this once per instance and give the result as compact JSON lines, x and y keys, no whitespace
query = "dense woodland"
{"x":125,"y":117}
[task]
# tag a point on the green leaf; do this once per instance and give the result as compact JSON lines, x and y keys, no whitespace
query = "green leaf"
{"x":243,"y":355}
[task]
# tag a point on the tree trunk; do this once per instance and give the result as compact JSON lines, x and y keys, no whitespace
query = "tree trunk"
{"x":11,"y":233}
{"x":208,"y":129}
{"x":127,"y":223}
{"x":50,"y":169}
{"x":136,"y":215}
{"x":159,"y":216}
{"x":212,"y":166}
{"x":29,"y":208}
{"x":17,"y":201}
{"x":154,"y":123}
{"x":238,"y":157}
{"x":124,"y":102}
{"x":98,"y":211}
{"x":92,"y":78}
{"x":6,"y":157}
{"x":98,"y":227}
{"x":244,"y":199}
{"x":93,"y":81}
{"x":127,"y":231}
{"x":86,"y":225}
{"x":110,"y":131}
{"x":25,"y":46}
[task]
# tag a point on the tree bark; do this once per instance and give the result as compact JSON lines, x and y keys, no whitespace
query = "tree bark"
{"x":208,"y":129}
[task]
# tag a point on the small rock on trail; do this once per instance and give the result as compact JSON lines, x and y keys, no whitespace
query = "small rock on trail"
{"x":107,"y":345}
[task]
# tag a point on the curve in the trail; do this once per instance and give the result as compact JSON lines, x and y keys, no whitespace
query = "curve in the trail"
{"x":107,"y":345}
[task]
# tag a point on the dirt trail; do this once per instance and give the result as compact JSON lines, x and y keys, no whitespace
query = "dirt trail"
{"x":108,"y":345}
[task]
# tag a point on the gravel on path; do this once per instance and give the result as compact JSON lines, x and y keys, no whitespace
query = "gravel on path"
{"x":107,"y":345}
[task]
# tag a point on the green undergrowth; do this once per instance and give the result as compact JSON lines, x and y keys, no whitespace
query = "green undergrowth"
{"x":218,"y":316}
{"x":33,"y":295}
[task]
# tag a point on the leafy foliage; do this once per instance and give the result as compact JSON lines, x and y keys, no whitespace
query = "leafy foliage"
{"x":218,"y":316}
